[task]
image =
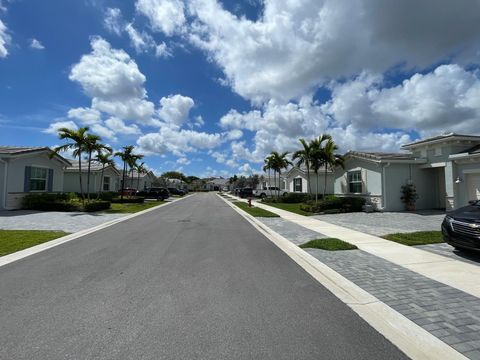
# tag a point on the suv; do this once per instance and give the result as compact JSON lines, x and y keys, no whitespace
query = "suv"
{"x":175,"y":191}
{"x":269,"y":191}
{"x":246,"y":192}
{"x":154,"y":193}
{"x":461,"y":227}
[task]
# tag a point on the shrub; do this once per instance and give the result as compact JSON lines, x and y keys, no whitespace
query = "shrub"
{"x":128,"y":200}
{"x":334,"y":205}
{"x":290,"y":198}
{"x":108,"y":195}
{"x":96,"y":205}
{"x":51,"y":202}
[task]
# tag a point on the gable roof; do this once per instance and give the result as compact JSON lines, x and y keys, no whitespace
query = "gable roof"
{"x":378,"y":156}
{"x":441,"y":138}
{"x":11,"y":151}
{"x":94,"y":166}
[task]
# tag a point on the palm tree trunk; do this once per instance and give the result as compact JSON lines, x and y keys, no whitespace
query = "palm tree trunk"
{"x":325,"y":182}
{"x":88,"y":174}
{"x":80,"y":172}
{"x":123,"y":180}
{"x":309,"y":186}
{"x":138,"y":181}
{"x":101,"y":182}
{"x":316,"y":192}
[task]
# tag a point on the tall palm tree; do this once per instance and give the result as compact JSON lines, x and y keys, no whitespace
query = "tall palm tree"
{"x":92,"y":144}
{"x":106,"y":160}
{"x":331,"y":160}
{"x":140,"y":169}
{"x":279,"y":162}
{"x":318,"y":158}
{"x":125,"y":155}
{"x":268,"y":166}
{"x":78,"y":140}
{"x":304,"y":156}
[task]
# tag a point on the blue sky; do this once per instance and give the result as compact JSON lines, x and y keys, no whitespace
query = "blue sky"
{"x":210,"y":87}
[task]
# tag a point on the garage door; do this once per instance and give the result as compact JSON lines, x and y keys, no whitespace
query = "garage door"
{"x":473,"y":186}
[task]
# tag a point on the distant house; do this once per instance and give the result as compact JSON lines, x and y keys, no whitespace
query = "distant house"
{"x":217,"y":184}
{"x":133,"y":180}
{"x":176,"y":183}
{"x":444,"y":169}
{"x":296,"y":180}
{"x":26,"y":170}
{"x":110,"y":181}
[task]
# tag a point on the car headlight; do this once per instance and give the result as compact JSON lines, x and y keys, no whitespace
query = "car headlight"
{"x":449,"y":221}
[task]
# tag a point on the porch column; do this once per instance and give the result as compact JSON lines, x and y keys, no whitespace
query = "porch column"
{"x":450,"y":186}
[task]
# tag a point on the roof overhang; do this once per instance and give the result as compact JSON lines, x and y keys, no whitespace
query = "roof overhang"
{"x":447,"y":139}
{"x":43,"y":151}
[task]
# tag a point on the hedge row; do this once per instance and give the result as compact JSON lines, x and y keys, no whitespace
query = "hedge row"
{"x":334,"y":204}
{"x":128,"y":200}
{"x":61,"y":202}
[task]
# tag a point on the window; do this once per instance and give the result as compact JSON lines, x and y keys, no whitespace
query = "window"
{"x":38,"y":179}
{"x":106,"y":183}
{"x":355,"y":181}
{"x":297,"y":185}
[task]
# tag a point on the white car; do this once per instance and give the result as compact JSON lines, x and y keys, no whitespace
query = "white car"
{"x":269,"y":191}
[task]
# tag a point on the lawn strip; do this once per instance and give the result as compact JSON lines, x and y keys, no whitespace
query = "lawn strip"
{"x":295,"y":208}
{"x":330,"y":244}
{"x":254,"y":211}
{"x":15,"y":240}
{"x":126,"y":208}
{"x":416,"y":238}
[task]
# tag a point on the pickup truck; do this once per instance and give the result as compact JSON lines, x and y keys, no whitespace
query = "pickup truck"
{"x":268,"y":191}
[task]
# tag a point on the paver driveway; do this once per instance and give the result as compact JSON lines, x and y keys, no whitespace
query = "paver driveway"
{"x":193,"y":280}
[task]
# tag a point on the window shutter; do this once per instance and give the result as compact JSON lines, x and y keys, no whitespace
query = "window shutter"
{"x":26,"y":179}
{"x":50,"y":180}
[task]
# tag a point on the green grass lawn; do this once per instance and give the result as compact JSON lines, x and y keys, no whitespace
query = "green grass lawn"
{"x":16,"y":240}
{"x":330,"y":244}
{"x":254,"y":211}
{"x":131,"y":208}
{"x":416,"y":238}
{"x":295,"y":208}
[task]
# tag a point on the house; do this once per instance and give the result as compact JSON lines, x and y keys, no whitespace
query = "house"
{"x":26,"y":170}
{"x":217,"y":184}
{"x":110,"y":182}
{"x":176,"y":183}
{"x":139,"y":181}
{"x":445,"y":170}
{"x":296,"y":180}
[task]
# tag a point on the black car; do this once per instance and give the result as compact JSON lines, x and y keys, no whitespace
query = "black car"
{"x":246,"y":192}
{"x":154,"y":193}
{"x":175,"y":191}
{"x":461,"y":227}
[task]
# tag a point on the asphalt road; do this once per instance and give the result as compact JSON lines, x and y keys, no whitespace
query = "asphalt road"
{"x":192,"y":280}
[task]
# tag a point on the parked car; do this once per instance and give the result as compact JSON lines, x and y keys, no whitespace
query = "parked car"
{"x":154,"y":193}
{"x":175,"y":191}
{"x":128,"y":191}
{"x":461,"y":227}
{"x":246,"y":192}
{"x":269,"y":191}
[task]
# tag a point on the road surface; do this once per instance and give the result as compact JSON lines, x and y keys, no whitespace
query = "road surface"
{"x":192,"y":280}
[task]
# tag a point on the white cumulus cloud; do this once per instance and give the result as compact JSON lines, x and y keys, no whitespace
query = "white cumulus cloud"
{"x":4,"y":40}
{"x":36,"y":44}
{"x":167,"y":16}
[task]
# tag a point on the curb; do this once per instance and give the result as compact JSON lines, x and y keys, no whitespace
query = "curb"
{"x":7,"y":259}
{"x":410,"y":338}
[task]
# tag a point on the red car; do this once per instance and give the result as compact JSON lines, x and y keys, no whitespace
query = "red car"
{"x":128,"y":192}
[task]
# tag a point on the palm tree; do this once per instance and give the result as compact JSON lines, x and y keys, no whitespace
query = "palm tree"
{"x":331,"y":160}
{"x":318,"y":158}
{"x":91,"y":145}
{"x":79,"y":139}
{"x":106,"y":160}
{"x":125,"y":155}
{"x":279,"y":162}
{"x":268,"y":165}
{"x":140,"y":169}
{"x":304,"y":156}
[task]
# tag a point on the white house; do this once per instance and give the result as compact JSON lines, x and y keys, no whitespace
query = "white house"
{"x":26,"y":170}
{"x":133,"y":180}
{"x":110,"y":182}
{"x":296,"y":180}
{"x":444,"y":169}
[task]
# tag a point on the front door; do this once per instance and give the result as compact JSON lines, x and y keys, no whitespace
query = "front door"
{"x":473,"y":186}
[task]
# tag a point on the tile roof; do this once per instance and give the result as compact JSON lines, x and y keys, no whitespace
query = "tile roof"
{"x":13,"y":150}
{"x":381,"y":155}
{"x":94,"y":165}
{"x":442,"y":137}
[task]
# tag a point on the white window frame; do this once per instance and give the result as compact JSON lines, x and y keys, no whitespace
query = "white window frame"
{"x":355,"y":182}
{"x":295,"y":184}
{"x":108,"y":183}
{"x":32,"y":167}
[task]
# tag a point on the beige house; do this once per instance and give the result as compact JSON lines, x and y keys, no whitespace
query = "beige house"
{"x":110,"y":182}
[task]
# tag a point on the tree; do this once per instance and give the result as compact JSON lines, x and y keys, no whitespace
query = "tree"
{"x":128,"y":158}
{"x":140,"y":169}
{"x":91,"y":145}
{"x":331,"y":159}
{"x":268,"y":166}
{"x":304,"y":156}
{"x":175,"y":175}
{"x":79,"y":139}
{"x":106,"y":160}
{"x":279,"y":162}
{"x":317,"y":156}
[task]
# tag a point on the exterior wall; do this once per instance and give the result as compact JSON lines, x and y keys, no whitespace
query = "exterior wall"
{"x":16,"y":176}
{"x":371,"y":181}
{"x":2,"y":185}
{"x":462,"y":171}
{"x":72,"y":181}
{"x":297,"y":174}
{"x":131,"y":182}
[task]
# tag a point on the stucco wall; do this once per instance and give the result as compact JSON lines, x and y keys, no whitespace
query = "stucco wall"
{"x":313,"y":182}
{"x":72,"y":181}
{"x":462,"y":171}
{"x":371,"y":177}
{"x":2,"y":182}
